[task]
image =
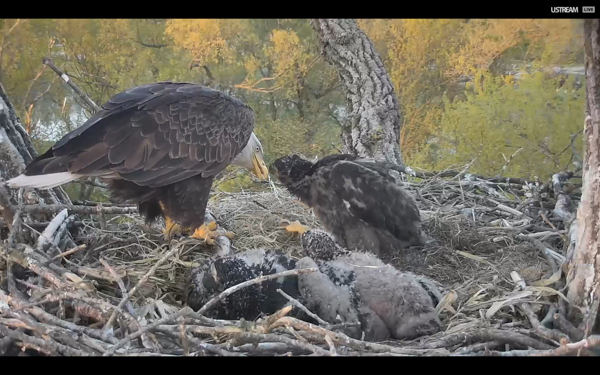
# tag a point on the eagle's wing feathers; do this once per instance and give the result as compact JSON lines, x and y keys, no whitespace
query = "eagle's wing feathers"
{"x":159,"y":134}
{"x":375,"y":198}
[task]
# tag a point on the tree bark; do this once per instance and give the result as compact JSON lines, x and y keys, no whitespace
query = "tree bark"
{"x":584,"y":272}
{"x":16,"y":151}
{"x":373,"y":128}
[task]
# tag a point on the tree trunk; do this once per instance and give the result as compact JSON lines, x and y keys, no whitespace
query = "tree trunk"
{"x":16,"y":151}
{"x":373,"y":129}
{"x":584,"y":272}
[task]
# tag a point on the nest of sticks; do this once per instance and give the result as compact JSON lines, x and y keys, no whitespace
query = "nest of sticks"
{"x":95,"y":280}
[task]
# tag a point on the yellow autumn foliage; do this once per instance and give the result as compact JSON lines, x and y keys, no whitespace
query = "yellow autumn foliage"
{"x":463,"y":85}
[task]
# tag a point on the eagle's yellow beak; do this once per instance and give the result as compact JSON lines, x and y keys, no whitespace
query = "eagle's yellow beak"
{"x":260,"y":168}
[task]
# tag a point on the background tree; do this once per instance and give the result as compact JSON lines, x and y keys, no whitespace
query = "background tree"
{"x":16,"y":151}
{"x":584,"y":272}
{"x":373,"y":127}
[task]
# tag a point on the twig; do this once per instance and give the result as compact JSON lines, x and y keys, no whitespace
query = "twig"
{"x":140,"y":332}
{"x":567,"y":349}
{"x":303,"y":308}
{"x":7,"y":209}
{"x":79,"y":210}
{"x":142,"y":281}
{"x":48,"y":235}
{"x":15,"y":228}
{"x":564,"y":325}
{"x":216,"y":349}
{"x":550,"y":334}
{"x":183,"y":336}
{"x":248,"y":283}
{"x":342,"y":339}
{"x":44,"y":344}
{"x":67,"y":253}
{"x":549,"y":318}
{"x":43,"y":316}
{"x":47,"y":61}
{"x":503,"y":336}
{"x":121,"y":285}
{"x":258,"y":337}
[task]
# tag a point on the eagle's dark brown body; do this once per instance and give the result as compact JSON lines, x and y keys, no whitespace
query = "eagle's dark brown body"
{"x":355,"y":199}
{"x":160,"y":145}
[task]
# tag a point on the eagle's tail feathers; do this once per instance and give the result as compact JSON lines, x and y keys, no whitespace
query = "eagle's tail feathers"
{"x":45,"y":181}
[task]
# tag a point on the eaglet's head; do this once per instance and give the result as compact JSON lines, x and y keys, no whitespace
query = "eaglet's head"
{"x":252,"y":158}
{"x":290,"y":168}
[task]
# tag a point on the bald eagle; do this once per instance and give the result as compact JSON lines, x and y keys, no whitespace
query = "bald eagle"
{"x":355,"y":199}
{"x":160,"y":146}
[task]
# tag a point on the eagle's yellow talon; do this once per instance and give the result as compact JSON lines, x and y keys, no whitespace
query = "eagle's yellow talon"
{"x":297,"y":227}
{"x":212,"y":226}
{"x":208,"y":233}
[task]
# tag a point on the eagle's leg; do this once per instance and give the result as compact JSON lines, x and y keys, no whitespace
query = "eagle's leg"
{"x":171,"y":228}
{"x":208,"y":232}
{"x":297,"y":227}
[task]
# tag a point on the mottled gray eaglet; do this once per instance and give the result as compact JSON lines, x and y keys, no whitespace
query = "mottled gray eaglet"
{"x":356,"y":286}
{"x":160,"y":145}
{"x":355,"y":199}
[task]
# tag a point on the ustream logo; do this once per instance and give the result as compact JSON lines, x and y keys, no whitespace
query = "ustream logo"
{"x":564,"y":9}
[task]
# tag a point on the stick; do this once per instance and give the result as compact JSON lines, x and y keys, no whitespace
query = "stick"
{"x":67,"y":253}
{"x":216,"y":349}
{"x":79,"y":210}
{"x":43,"y":316}
{"x":47,"y":61}
{"x":145,"y":329}
{"x":52,"y":347}
{"x":48,"y":235}
{"x":139,"y":284}
{"x":121,"y":285}
{"x":506,"y":337}
{"x":550,"y":334}
{"x":342,"y":339}
{"x":303,"y":308}
{"x":258,"y":337}
{"x":245,"y":284}
{"x":573,"y":349}
{"x":564,"y":325}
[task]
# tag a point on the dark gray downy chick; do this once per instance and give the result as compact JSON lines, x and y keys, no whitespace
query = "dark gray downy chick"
{"x":389,"y":303}
{"x":251,"y":302}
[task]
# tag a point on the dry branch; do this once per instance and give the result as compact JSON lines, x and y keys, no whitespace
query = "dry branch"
{"x":47,"y":61}
{"x":79,"y":210}
{"x":303,"y":308}
{"x":550,"y":334}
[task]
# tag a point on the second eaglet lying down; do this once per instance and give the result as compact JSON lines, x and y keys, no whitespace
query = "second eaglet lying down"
{"x":356,"y":199}
{"x":160,"y":146}
{"x":350,"y":287}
